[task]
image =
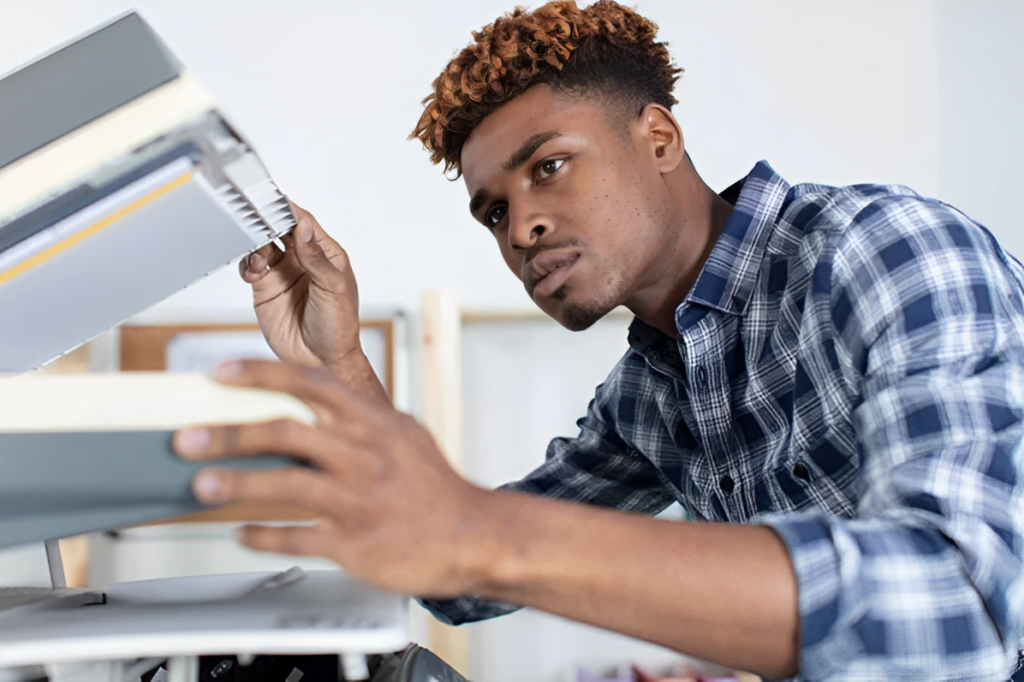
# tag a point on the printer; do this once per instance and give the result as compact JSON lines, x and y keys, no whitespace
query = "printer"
{"x":120,"y":184}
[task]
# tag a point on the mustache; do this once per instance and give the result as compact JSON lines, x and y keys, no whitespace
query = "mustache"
{"x":537,"y":250}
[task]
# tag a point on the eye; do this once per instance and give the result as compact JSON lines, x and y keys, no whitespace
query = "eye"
{"x":545,"y":169}
{"x":495,"y":215}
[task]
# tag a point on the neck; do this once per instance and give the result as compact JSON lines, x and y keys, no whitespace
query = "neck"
{"x":697,"y":219}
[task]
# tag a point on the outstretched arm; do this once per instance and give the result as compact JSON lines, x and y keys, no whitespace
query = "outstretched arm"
{"x":395,"y":515}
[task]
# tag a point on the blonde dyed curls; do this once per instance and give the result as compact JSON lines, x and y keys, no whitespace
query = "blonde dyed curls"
{"x":606,"y":50}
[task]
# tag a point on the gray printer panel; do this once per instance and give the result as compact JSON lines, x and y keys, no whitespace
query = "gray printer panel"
{"x":146,"y":253}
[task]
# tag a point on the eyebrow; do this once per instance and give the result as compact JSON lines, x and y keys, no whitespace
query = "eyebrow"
{"x":526,"y":150}
{"x":515,"y":160}
{"x":480,"y":198}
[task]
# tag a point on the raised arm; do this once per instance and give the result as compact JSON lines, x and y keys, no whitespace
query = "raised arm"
{"x":307,"y":304}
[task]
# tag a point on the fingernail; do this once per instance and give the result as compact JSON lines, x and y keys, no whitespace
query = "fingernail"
{"x":227,"y":370}
{"x":206,"y":486}
{"x":305,"y":231}
{"x":194,"y":439}
{"x":239,"y":534}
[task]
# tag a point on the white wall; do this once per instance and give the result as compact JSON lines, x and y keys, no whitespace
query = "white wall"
{"x":328,"y":90}
{"x":981,"y":139}
{"x":921,"y":92}
{"x":522,"y":385}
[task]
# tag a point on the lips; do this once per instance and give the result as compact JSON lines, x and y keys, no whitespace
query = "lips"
{"x":547,"y":272}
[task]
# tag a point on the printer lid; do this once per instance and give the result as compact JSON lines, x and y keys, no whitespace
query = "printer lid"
{"x":79,"y":82}
{"x":110,"y":152}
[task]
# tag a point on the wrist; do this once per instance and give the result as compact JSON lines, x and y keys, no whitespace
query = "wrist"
{"x":494,"y":544}
{"x":353,"y":369}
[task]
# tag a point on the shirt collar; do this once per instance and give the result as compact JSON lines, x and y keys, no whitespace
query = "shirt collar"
{"x":727,"y":278}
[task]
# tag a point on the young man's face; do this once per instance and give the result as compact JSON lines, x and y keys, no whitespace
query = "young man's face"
{"x":576,"y":206}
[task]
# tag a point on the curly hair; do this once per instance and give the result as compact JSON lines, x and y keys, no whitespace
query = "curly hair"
{"x":606,"y":50}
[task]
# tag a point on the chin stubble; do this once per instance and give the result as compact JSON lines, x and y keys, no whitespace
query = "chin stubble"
{"x":579,"y":316}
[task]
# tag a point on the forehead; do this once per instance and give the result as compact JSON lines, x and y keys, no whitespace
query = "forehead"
{"x":539,"y":110}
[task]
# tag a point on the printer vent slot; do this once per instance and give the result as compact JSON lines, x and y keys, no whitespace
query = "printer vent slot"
{"x":259,"y":206}
{"x":243,"y":211}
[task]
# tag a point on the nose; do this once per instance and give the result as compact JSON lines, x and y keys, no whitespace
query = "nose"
{"x":527,"y":229}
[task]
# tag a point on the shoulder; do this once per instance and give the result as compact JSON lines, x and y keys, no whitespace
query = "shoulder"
{"x":870,"y":235}
{"x":865,"y":211}
{"x":883,"y":254}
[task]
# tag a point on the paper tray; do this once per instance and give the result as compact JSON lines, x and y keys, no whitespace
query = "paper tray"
{"x":323,"y":612}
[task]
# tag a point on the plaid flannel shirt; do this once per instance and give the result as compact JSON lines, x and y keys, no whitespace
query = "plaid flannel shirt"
{"x":850,"y":373}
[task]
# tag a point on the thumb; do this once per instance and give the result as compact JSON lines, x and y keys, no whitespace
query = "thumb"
{"x":325,"y":271}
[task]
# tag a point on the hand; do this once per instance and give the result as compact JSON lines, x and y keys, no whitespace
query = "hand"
{"x":395,"y":515}
{"x":306,"y":298}
{"x":391,"y":510}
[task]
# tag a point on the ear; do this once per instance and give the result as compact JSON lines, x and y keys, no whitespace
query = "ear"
{"x":663,"y":137}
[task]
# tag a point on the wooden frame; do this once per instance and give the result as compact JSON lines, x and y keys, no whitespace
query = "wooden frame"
{"x":144,"y":347}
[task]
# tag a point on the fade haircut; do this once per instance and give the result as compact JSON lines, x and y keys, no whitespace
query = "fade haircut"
{"x":606,"y":51}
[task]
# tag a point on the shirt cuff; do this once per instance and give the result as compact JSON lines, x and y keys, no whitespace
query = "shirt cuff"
{"x":824,"y":592}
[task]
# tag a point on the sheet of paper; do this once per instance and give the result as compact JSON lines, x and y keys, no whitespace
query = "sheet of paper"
{"x":134,"y":401}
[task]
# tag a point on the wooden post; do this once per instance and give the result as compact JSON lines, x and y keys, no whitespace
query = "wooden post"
{"x":441,"y":357}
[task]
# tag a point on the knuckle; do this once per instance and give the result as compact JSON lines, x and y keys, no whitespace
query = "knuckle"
{"x":323,"y":495}
{"x":228,"y":484}
{"x":285,"y":429}
{"x":341,"y":259}
{"x":224,"y":439}
{"x":258,"y":537}
{"x":249,"y":485}
{"x":357,"y":432}
{"x":257,"y":365}
{"x":293,"y":479}
{"x":281,"y":432}
{"x":297,"y":541}
{"x":277,"y":540}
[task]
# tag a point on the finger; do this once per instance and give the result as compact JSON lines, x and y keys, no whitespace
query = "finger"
{"x":259,"y":263}
{"x":292,"y":486}
{"x":296,"y":540}
{"x":326,"y":396}
{"x":284,"y":437}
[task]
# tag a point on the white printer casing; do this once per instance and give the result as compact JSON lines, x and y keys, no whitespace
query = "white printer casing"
{"x":120,"y":184}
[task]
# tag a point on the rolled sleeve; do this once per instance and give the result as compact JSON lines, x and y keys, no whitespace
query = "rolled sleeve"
{"x":926,"y":583}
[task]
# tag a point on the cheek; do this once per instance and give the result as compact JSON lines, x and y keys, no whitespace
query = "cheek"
{"x":512,"y":260}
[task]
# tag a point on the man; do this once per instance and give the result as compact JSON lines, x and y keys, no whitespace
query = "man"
{"x":829,"y":377}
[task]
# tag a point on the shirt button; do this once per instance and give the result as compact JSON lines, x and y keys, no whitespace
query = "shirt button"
{"x":726,"y":484}
{"x":801,"y":472}
{"x":702,"y":377}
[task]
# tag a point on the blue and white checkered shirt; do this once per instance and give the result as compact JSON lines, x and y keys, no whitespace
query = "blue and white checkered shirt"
{"x":851,"y":373}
